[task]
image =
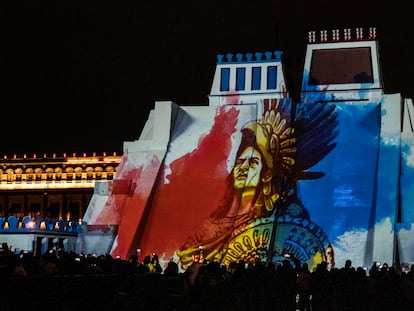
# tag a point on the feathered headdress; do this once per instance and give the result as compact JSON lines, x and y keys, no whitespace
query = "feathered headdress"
{"x":289,"y":151}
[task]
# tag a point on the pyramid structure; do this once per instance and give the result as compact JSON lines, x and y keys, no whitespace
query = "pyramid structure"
{"x":256,"y":176}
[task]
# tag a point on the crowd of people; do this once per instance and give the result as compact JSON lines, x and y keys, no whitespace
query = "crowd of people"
{"x":210,"y":285}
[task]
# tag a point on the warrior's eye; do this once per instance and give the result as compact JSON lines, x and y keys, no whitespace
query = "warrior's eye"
{"x":254,"y":161}
{"x":240,"y":161}
{"x":248,"y":161}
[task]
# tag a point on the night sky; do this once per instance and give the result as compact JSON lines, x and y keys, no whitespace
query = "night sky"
{"x":82,"y":75}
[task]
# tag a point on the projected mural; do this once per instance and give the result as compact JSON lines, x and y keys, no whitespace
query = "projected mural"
{"x":255,"y":176}
{"x":222,"y":189}
{"x":261,"y":187}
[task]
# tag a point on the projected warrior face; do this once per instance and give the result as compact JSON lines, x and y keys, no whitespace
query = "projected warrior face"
{"x":262,"y":182}
{"x":247,"y":169}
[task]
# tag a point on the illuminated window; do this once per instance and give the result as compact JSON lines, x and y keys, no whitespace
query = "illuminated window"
{"x":78,"y":173}
{"x":38,"y":174}
{"x":18,"y":172}
{"x":69,"y":173}
{"x":225,"y":79}
{"x":110,"y":171}
{"x":89,"y":173}
{"x":58,"y":173}
{"x":29,"y":174}
{"x":49,"y":173}
{"x":271,"y":77}
{"x":240,"y":79}
{"x":98,"y":172}
{"x":256,"y":78}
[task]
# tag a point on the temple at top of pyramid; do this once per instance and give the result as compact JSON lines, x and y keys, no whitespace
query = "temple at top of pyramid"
{"x":243,"y":78}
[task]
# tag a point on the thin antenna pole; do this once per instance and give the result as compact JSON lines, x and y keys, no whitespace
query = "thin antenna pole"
{"x":273,"y":235}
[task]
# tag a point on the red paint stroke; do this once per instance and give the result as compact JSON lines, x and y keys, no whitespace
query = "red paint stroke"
{"x":134,"y":207}
{"x":196,"y":186}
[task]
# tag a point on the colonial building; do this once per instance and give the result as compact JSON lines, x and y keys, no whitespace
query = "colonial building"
{"x":43,"y":198}
{"x":54,"y":186}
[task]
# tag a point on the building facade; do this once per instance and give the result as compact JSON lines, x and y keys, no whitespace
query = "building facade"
{"x":54,"y":186}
